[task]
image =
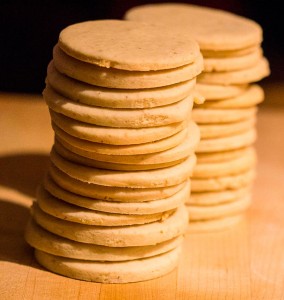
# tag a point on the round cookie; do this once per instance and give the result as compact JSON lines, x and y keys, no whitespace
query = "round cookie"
{"x":139,"y":179}
{"x":132,"y":46}
{"x":213,"y":225}
{"x":222,"y":183}
{"x":225,"y":64}
{"x":229,"y":53}
{"x":211,"y":131}
{"x":122,"y":118}
{"x":117,"y":98}
{"x":108,"y":149}
{"x":120,"y":79}
{"x":200,"y":213}
{"x":134,"y":208}
{"x":215,"y":198}
{"x":213,"y":29}
{"x":65,"y":211}
{"x":217,"y":116}
{"x":220,"y":92}
{"x":115,"y":136}
{"x":252,"y":96}
{"x":176,"y":153}
{"x":227,"y":143}
{"x":108,"y":193}
{"x":220,"y":156}
{"x":50,"y":243}
{"x":230,"y":167}
{"x":111,"y":272}
{"x":244,"y":76}
{"x":120,"y":236}
{"x":90,"y":162}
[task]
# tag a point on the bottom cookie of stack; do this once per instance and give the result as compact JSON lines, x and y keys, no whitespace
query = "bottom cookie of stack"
{"x":98,"y":263}
{"x":107,"y":254}
{"x":110,"y":272}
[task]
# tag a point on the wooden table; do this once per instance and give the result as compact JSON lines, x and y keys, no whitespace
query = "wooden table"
{"x":246,"y":262}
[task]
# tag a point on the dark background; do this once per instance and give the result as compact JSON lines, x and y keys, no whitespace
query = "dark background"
{"x":29,"y":29}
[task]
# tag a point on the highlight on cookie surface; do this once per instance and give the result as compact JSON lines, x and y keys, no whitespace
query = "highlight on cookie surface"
{"x":128,"y":45}
{"x":214,"y":29}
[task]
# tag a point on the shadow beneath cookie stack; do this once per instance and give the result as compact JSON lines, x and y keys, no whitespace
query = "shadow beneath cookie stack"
{"x":20,"y":174}
{"x":23,"y":172}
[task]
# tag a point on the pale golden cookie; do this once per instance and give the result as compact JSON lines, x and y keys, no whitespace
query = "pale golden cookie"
{"x":244,"y":76}
{"x":120,"y":236}
{"x":220,"y":92}
{"x":213,"y":29}
{"x":224,"y":64}
{"x":241,"y":140}
{"x":210,"y":131}
{"x":108,"y":149}
{"x":120,"y":79}
{"x":220,"y":156}
{"x":111,"y":272}
{"x":117,"y":98}
{"x":115,"y":136}
{"x":218,"y":224}
{"x":90,"y":162}
{"x":176,"y":153}
{"x":129,"y":45}
{"x":122,"y":118}
{"x":223,"y":183}
{"x":139,"y":179}
{"x":65,"y":211}
{"x":229,"y":53}
{"x":230,"y":167}
{"x":252,"y":96}
{"x":215,"y":198}
{"x":111,"y":193}
{"x":50,"y":243}
{"x":217,"y":116}
{"x":200,"y":213}
{"x":134,"y":208}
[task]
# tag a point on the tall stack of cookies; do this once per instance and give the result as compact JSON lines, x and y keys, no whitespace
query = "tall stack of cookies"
{"x":233,"y":60}
{"x":111,"y":208}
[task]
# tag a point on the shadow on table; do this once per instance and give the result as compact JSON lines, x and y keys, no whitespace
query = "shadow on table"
{"x":22,"y":173}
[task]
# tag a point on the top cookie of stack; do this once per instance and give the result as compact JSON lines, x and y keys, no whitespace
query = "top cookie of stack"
{"x":230,"y":44}
{"x":120,"y":96}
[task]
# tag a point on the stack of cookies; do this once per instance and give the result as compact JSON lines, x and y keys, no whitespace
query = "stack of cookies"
{"x":233,"y":60}
{"x":111,"y":208}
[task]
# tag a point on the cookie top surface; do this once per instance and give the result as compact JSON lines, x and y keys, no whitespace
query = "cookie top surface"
{"x":128,"y":45}
{"x":213,"y":29}
{"x":123,"y":79}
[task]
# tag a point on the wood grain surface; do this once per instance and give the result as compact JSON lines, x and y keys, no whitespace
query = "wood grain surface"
{"x":246,"y":262}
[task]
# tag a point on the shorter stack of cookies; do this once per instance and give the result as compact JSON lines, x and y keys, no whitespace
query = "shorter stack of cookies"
{"x":231,"y":46}
{"x":111,"y":208}
{"x":226,"y":162}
